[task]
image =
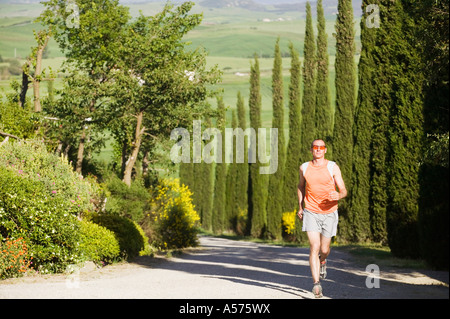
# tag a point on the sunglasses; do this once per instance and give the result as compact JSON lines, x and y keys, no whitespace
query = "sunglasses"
{"x":319,"y":147}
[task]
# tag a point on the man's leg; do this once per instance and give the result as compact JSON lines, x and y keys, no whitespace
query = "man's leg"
{"x":324,"y":252}
{"x":324,"y":247}
{"x":314,"y":249}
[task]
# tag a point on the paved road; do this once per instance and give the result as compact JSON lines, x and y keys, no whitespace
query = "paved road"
{"x":226,"y":269}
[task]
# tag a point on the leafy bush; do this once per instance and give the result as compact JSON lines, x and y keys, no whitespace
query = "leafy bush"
{"x":288,"y":220}
{"x":129,"y":201}
{"x":98,"y":243}
{"x":173,"y":221}
{"x":127,"y":233}
{"x":14,"y":259}
{"x":176,"y":230}
{"x":16,"y":120}
{"x":29,"y":210}
{"x":40,"y":199}
{"x":31,"y":160}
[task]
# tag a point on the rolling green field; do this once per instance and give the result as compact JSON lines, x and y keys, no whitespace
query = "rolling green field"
{"x":231,"y":36}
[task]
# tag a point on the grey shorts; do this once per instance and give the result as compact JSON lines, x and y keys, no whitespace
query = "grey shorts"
{"x":326,"y":224}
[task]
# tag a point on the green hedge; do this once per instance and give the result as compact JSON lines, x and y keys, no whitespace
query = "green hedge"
{"x":98,"y":243}
{"x":129,"y":236}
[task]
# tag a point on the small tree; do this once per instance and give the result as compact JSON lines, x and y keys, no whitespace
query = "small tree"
{"x":309,"y":88}
{"x":276,"y":187}
{"x":219,"y":200}
{"x":256,"y":199}
{"x":90,"y":44}
{"x":161,"y":84}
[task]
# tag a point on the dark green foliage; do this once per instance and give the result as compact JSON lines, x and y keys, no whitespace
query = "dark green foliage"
{"x":324,"y":129}
{"x":293,"y":160}
{"x":380,"y":96}
{"x":205,"y":180}
{"x":291,"y":171}
{"x":131,"y":202}
{"x":256,"y":199}
{"x":345,"y":99}
{"x":219,"y":202}
{"x":231,"y":209}
{"x":359,"y":213}
{"x":309,"y":89}
{"x":130,"y":239}
{"x":276,"y":187}
{"x":433,"y":34}
{"x":433,"y":217}
{"x":405,"y":132}
{"x":242,"y":173}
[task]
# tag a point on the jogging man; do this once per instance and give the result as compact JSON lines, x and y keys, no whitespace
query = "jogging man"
{"x":317,"y":191}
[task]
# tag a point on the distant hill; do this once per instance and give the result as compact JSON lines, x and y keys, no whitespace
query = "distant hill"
{"x":246,"y":4}
{"x":277,"y":6}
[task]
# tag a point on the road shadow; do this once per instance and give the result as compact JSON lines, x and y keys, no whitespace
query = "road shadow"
{"x":286,"y":269}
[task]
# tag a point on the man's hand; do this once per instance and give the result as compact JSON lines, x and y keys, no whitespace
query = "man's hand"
{"x":300,"y":213}
{"x":333,"y":196}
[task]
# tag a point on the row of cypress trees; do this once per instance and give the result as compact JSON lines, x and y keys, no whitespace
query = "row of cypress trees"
{"x":376,"y":132}
{"x":402,"y":90}
{"x":240,"y":196}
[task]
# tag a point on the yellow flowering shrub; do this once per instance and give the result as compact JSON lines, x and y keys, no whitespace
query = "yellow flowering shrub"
{"x":173,"y":219}
{"x":288,"y":219}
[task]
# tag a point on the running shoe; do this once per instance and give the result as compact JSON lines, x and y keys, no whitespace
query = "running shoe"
{"x":317,"y":290}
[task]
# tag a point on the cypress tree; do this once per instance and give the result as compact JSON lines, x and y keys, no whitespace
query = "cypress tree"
{"x":256,"y":199}
{"x":433,"y":217}
{"x":345,"y":99}
{"x":382,"y":99}
{"x":206,"y":181}
{"x":359,"y":213}
{"x":276,"y":187}
{"x":379,"y":176}
{"x":218,"y":212}
{"x":293,"y":161}
{"x":309,"y":88}
{"x":323,"y":119}
{"x":231,"y":195}
{"x":197,"y":186}
{"x":186,"y":172}
{"x":242,"y":172}
{"x":405,"y":131}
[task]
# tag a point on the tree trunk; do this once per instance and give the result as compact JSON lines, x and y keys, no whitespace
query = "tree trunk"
{"x":24,"y":89}
{"x":124,"y":157}
{"x":135,"y":151}
{"x":37,"y":74}
{"x":81,"y":151}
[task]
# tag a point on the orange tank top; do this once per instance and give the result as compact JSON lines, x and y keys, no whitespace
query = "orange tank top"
{"x":319,"y":184}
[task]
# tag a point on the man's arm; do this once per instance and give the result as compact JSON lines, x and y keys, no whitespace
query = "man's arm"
{"x":339,"y":183}
{"x":301,"y":193}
